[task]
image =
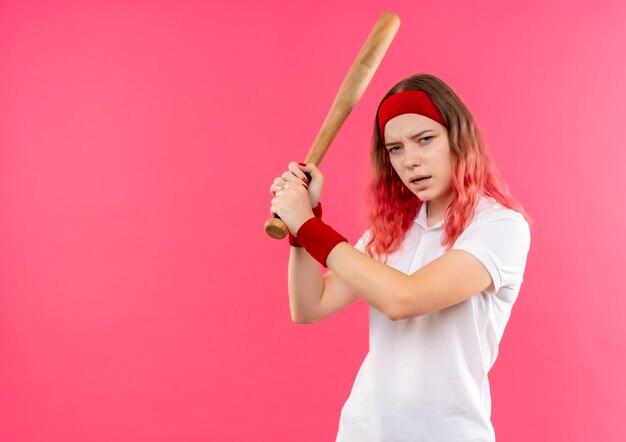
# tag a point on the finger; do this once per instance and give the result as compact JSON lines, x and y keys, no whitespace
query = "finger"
{"x":312,"y":170}
{"x":292,"y":185}
{"x":295,"y":169}
{"x":291,"y":178}
{"x":274,"y":206}
{"x":295,"y":184}
{"x":276,"y":185}
{"x":274,"y":188}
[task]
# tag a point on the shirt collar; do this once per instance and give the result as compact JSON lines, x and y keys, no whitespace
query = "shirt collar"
{"x":421,"y":215}
{"x":421,"y":219}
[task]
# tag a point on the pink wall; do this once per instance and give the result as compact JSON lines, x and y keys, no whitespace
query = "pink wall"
{"x":140,"y":299}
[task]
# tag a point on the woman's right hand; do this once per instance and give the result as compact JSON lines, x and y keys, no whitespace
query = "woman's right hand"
{"x":297,"y":170}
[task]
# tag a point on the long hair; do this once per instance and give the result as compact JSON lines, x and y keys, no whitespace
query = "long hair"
{"x":393,"y":207}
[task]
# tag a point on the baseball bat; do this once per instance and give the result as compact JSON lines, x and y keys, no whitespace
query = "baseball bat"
{"x":351,"y":90}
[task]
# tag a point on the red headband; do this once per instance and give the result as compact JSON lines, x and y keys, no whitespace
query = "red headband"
{"x":407,"y":102}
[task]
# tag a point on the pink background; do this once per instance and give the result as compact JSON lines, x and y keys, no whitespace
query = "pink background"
{"x":140,"y":299}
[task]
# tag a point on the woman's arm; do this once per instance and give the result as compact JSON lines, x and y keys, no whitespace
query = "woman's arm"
{"x":491,"y":254}
{"x":313,"y":297}
{"x":445,"y":281}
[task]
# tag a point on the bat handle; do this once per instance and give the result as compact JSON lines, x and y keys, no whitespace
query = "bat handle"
{"x":276,"y":227}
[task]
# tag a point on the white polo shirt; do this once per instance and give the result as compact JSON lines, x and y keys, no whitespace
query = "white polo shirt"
{"x":425,"y":378}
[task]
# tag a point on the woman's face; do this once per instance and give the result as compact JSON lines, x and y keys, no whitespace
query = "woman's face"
{"x":418,"y":146}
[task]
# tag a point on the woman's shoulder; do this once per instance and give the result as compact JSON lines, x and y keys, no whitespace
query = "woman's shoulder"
{"x":498,"y":226}
{"x":489,"y":209}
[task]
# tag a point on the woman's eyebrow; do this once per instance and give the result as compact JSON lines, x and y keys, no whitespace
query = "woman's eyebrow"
{"x":416,"y":135}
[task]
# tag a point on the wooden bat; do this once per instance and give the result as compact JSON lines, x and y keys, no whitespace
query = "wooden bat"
{"x":351,"y":90}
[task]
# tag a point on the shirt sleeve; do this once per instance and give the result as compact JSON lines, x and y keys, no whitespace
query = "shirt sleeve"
{"x":362,"y":242}
{"x":502,"y":246}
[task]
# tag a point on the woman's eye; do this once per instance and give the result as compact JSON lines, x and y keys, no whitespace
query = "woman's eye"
{"x":394,"y":149}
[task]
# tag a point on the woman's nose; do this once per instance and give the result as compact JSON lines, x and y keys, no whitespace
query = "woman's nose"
{"x":412,"y":156}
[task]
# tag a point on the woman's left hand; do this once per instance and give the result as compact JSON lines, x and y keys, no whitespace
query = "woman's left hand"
{"x":291,"y":201}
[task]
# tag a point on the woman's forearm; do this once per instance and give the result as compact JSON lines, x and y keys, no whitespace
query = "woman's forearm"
{"x":377,"y":284}
{"x":305,"y":285}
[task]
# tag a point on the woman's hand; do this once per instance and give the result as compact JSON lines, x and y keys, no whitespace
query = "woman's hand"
{"x":294,"y":196}
{"x":317,"y":181}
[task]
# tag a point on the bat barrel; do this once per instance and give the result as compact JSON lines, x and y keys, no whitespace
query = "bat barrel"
{"x":355,"y":82}
{"x":351,"y":90}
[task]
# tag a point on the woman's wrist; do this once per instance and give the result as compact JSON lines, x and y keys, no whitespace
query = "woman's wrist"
{"x":318,"y":239}
{"x":317,"y":211}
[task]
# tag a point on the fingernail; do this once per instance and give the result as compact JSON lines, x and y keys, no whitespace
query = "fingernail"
{"x":306,"y":187}
{"x":305,"y":180}
{"x":302,"y":164}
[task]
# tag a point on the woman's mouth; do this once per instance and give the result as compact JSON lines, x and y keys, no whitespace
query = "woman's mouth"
{"x":420,"y":183}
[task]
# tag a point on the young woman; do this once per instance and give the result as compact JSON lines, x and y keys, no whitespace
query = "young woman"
{"x":440,"y":267}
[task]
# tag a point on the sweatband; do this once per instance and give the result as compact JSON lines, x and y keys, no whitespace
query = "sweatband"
{"x":406,"y":102}
{"x":318,"y":239}
{"x":317,"y":211}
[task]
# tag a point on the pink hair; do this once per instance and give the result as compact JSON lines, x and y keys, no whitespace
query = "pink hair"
{"x":394,"y":207}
